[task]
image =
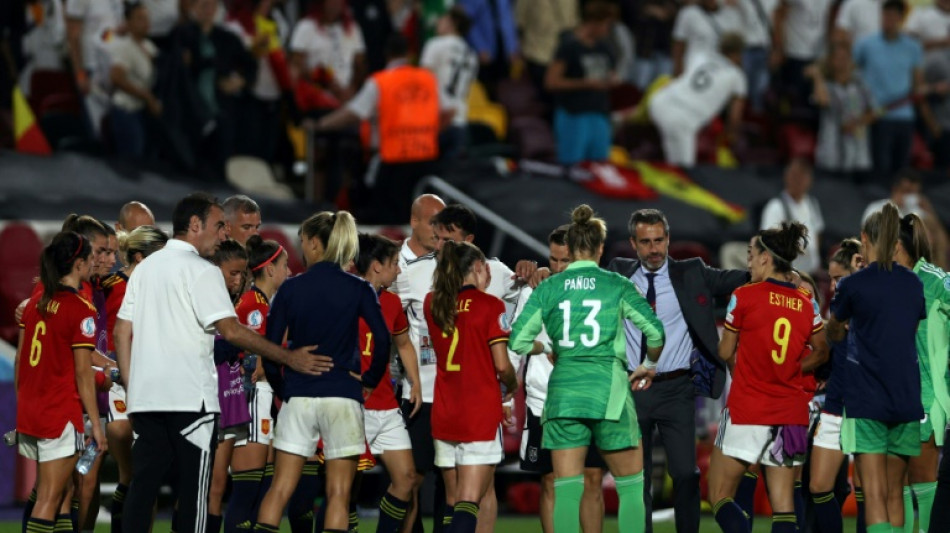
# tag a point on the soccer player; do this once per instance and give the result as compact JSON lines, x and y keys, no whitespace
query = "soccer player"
{"x":55,"y":378}
{"x":252,"y":466}
{"x":322,"y":307}
{"x":589,"y":399}
{"x":765,"y":422}
{"x":913,"y":251}
{"x":378,"y":263}
{"x":826,"y":457}
{"x":882,"y":305}
{"x":534,"y":458}
{"x":469,"y":332}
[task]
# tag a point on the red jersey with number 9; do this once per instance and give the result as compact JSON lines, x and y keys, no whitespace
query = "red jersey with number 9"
{"x":467,"y":402}
{"x":47,"y":396}
{"x":384,"y":396}
{"x":774,"y":321}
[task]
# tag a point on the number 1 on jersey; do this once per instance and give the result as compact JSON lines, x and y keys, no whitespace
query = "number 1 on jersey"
{"x":590,"y":321}
{"x":368,"y":351}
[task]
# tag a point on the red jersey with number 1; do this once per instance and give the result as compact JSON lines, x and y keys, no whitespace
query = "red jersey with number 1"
{"x":384,"y":396}
{"x":467,"y":402}
{"x":47,"y":396}
{"x":774,"y":321}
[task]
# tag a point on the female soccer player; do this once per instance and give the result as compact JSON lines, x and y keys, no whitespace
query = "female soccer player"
{"x":322,"y":307}
{"x":469,"y":331}
{"x":826,"y":457}
{"x":882,"y":305}
{"x":267,"y":262}
{"x":933,"y":340}
{"x":134,"y":247}
{"x":55,"y":378}
{"x":583,"y":308}
{"x":768,"y":325}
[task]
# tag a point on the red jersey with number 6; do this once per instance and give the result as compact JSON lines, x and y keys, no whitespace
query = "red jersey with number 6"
{"x":467,"y":402}
{"x":47,"y":396}
{"x":774,"y":321}
{"x":384,"y":396}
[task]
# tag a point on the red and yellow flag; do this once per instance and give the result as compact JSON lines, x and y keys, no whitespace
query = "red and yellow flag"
{"x":29,"y":137}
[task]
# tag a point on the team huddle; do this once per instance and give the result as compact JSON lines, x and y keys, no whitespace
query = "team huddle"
{"x":204,"y":357}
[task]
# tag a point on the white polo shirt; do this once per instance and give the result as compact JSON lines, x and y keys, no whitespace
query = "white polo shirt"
{"x":332,"y":46}
{"x":928,"y":23}
{"x":859,"y":18}
{"x":805,"y":28}
{"x":173,"y":300}
{"x":701,"y":30}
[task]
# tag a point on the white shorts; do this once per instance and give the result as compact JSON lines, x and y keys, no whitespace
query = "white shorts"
{"x":828,"y":434}
{"x":448,"y":454}
{"x":261,"y":428}
{"x":238,"y":433}
{"x":118,"y":408}
{"x":749,"y":443}
{"x":68,"y":444}
{"x":386,"y":431}
{"x":338,"y":421}
{"x":87,"y":424}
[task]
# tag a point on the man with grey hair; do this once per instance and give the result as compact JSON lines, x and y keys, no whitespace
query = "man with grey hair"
{"x":242,"y":218}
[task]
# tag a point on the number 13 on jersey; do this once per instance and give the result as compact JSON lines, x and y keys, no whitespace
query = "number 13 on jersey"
{"x":588,"y":338}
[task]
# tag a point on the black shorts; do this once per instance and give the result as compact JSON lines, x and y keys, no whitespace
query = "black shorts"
{"x":534,"y":458}
{"x":420,"y":435}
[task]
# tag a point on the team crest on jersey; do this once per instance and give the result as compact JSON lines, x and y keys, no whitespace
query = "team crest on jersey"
{"x":265,"y":426}
{"x":88,"y":327}
{"x":255,"y":319}
{"x":120,"y":406}
{"x":503,"y":322}
{"x":532,"y":454}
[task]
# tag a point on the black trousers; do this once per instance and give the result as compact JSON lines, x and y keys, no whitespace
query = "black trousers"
{"x":940,"y":515}
{"x":670,"y":406}
{"x":184,"y":441}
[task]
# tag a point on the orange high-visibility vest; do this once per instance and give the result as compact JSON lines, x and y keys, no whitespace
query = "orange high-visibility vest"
{"x":408,"y":115}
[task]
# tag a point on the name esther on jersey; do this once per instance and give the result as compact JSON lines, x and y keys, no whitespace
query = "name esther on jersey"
{"x":781,"y":300}
{"x":580,"y":283}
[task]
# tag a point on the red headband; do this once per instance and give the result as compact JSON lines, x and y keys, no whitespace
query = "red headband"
{"x":271,"y":259}
{"x":78,"y":248}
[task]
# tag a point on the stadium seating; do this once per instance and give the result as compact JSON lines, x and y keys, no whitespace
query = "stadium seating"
{"x":20,"y":250}
{"x":293,"y":255}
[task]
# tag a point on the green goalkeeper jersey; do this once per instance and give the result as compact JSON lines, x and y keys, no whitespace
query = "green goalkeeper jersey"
{"x":933,"y":344}
{"x":583,"y":310}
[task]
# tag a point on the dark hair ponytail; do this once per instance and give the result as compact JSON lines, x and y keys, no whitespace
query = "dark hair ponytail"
{"x":374,"y":248}
{"x":784,"y":244}
{"x":261,"y":253}
{"x":57,"y":261}
{"x":846,"y":251}
{"x":914,"y":238}
{"x":455,"y":262}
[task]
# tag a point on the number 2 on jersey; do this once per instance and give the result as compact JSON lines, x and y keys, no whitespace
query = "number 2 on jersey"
{"x":591,"y":322}
{"x":449,"y":365}
{"x":781,"y":333}
{"x":36,"y":346}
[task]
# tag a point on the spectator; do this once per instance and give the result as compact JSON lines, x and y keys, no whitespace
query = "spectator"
{"x":622,"y":42}
{"x":133,"y":74}
{"x":652,"y":25}
{"x":846,"y":112}
{"x":376,"y":24}
{"x":711,"y":82}
{"x":455,"y":66}
{"x":90,"y":25}
{"x":406,"y":20}
{"x":44,"y":39}
{"x":700,"y":27}
{"x":794,"y":204}
{"x":757,"y":18}
{"x":493,"y":37}
{"x":936,"y":74}
{"x":541,"y":23}
{"x":858,"y":19}
{"x":799,"y":28}
{"x":930,"y":25}
{"x":581,"y":77}
{"x":328,"y":43}
{"x":890,"y":62}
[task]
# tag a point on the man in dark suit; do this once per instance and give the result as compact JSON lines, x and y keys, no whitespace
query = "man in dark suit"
{"x":683,"y":295}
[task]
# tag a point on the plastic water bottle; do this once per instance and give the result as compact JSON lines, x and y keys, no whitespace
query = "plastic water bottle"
{"x":88,"y":457}
{"x":9,"y":438}
{"x":114,"y":375}
{"x":250,"y":364}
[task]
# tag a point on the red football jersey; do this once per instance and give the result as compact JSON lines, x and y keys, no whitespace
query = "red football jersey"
{"x":114,"y":286}
{"x":774,"y":321}
{"x":467,"y":402}
{"x":384,"y":396}
{"x":252,"y":310}
{"x":47,"y":396}
{"x":85,"y":290}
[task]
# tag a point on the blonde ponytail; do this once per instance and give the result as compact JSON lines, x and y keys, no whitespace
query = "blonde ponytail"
{"x":883,"y":230}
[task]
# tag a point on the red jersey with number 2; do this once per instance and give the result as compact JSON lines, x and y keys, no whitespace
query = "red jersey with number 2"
{"x":384,"y":396}
{"x":774,"y":321}
{"x":467,"y":402}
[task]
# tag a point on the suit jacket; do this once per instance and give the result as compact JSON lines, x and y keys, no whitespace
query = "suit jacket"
{"x":697,"y":286}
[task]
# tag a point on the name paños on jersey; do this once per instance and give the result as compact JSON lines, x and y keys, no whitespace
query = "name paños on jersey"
{"x":580,"y":283}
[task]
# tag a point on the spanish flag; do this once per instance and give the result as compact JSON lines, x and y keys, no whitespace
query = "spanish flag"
{"x":29,"y":137}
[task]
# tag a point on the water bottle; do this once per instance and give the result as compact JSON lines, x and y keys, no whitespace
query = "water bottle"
{"x":88,"y":457}
{"x":114,"y":375}
{"x":9,"y":438}
{"x":250,"y":364}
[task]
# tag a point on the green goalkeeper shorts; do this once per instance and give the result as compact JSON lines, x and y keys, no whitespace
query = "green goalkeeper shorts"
{"x":567,"y":433}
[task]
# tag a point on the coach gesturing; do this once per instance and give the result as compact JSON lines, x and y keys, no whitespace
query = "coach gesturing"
{"x":164,"y":339}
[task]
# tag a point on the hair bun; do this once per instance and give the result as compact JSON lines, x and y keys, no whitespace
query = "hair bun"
{"x":582,"y":214}
{"x":254,"y":241}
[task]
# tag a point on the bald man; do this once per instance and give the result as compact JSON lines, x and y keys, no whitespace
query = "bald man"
{"x":134,"y":214}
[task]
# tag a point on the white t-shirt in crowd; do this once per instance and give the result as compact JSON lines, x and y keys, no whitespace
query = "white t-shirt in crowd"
{"x":137,"y":61}
{"x":859,"y":18}
{"x":808,"y":212}
{"x":455,"y":66}
{"x":757,"y":20}
{"x":709,"y":83}
{"x":805,"y":26}
{"x":162,"y":16}
{"x":97,"y":17}
{"x":701,"y":30}
{"x":329,"y":45}
{"x":173,"y":299}
{"x":929,"y":23}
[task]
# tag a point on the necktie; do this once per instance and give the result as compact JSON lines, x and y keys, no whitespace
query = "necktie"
{"x":651,"y":299}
